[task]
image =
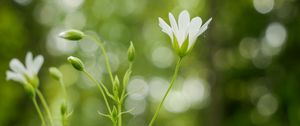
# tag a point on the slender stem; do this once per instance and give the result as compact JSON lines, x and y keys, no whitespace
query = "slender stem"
{"x":44,"y":103}
{"x":115,"y":123}
{"x":63,"y":89}
{"x":100,"y":44}
{"x":100,"y":88}
{"x":64,"y":118}
{"x":166,"y":94}
{"x":39,"y":111}
{"x":120,"y":114}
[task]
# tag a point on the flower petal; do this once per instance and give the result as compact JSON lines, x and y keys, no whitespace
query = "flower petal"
{"x":184,"y":19}
{"x":165,"y":28}
{"x":17,"y":66}
{"x":194,"y":27}
{"x":204,"y":27}
{"x":16,"y":77}
{"x":37,"y":63}
{"x":183,"y":22}
{"x":29,"y":61}
{"x":173,"y":25}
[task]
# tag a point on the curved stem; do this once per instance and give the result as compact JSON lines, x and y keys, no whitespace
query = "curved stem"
{"x":100,"y":44}
{"x":63,"y":89}
{"x":166,"y":94}
{"x":39,"y":111}
{"x":100,"y":88}
{"x":44,"y":103}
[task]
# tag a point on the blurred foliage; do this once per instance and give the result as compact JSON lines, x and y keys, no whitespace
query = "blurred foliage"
{"x":244,"y":71}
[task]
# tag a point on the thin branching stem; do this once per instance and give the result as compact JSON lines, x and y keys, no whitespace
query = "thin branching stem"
{"x":108,"y":67}
{"x":100,"y":88}
{"x":39,"y":111}
{"x":45,"y":105}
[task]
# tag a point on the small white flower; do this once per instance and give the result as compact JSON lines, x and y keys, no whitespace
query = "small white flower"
{"x":185,"y":31}
{"x":25,"y":74}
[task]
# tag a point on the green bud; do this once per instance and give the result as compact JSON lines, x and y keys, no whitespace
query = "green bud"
{"x":114,"y":113}
{"x":55,"y":73}
{"x":131,"y":52}
{"x":116,"y":86}
{"x":73,"y":35}
{"x":63,"y":109}
{"x":116,"y":81}
{"x":76,"y":63}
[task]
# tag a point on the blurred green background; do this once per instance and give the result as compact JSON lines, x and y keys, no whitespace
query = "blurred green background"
{"x":244,"y":71}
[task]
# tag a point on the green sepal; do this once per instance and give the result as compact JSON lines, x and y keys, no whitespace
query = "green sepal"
{"x":30,"y":90}
{"x":184,"y":48}
{"x":181,"y":51}
{"x":33,"y":81}
{"x":176,"y":46}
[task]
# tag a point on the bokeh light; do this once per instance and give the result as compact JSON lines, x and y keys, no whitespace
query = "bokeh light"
{"x":263,"y":6}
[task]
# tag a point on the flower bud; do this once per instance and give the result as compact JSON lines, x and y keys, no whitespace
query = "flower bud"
{"x":72,"y":35}
{"x":76,"y":63}
{"x":116,"y":86}
{"x":114,"y":113}
{"x":131,"y":52}
{"x":55,"y":73}
{"x":63,"y":109}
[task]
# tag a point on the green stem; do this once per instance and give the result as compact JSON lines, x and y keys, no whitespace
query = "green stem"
{"x":115,"y":123}
{"x":120,"y":114}
{"x":64,"y":118}
{"x":100,"y":44}
{"x":44,"y":103}
{"x":100,"y":88}
{"x":166,"y":94}
{"x":63,"y":89}
{"x":39,"y":111}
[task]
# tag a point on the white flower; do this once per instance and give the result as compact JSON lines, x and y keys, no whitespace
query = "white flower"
{"x":25,"y":74}
{"x":183,"y":30}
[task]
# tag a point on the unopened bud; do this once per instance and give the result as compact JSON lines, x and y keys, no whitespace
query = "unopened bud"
{"x":114,"y":113}
{"x":76,"y":63}
{"x":63,"y":109}
{"x":116,"y":86}
{"x":55,"y":73}
{"x":131,"y":52}
{"x":73,"y":35}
